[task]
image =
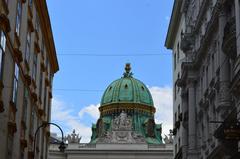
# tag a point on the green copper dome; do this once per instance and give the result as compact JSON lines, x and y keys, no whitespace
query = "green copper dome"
{"x":127,"y":90}
{"x":127,"y":114}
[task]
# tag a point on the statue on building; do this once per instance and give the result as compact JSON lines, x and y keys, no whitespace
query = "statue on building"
{"x":73,"y":138}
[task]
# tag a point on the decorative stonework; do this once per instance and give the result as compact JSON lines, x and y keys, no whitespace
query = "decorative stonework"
{"x":4,"y":23}
{"x":121,"y":131}
{"x":73,"y":138}
{"x":18,"y":55}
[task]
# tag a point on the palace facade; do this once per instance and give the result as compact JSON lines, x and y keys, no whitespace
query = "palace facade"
{"x":125,"y":129}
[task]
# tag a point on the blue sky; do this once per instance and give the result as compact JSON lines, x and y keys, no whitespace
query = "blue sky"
{"x":93,"y":28}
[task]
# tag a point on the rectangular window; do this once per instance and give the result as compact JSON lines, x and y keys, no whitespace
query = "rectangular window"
{"x":38,"y":135}
{"x":18,"y":17}
{"x":46,"y":149}
{"x":37,"y":24}
{"x":42,"y":144}
{"x":43,"y":46}
{"x":32,"y":120}
{"x":40,"y":85}
{"x":213,"y":65}
{"x":25,"y":105}
{"x":30,"y":2}
{"x":178,"y":52}
{"x":22,"y":154}
{"x":28,"y":47}
{"x":34,"y":73}
{"x":179,"y":109}
{"x":176,"y":149}
{"x":2,"y":51}
{"x":174,"y":61}
{"x":206,"y":76}
{"x":175,"y":91}
{"x":45,"y":98}
{"x":175,"y":117}
{"x":15,"y":84}
{"x":9,"y":146}
{"x":47,"y":64}
{"x":49,"y":109}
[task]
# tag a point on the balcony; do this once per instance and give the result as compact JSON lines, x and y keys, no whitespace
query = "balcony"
{"x":229,"y":40}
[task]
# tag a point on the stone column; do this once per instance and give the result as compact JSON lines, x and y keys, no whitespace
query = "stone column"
{"x":237,"y":18}
{"x":224,"y":100}
{"x":184,"y":127}
{"x":192,"y":151}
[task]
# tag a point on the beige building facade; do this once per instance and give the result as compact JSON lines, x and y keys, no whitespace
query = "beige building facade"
{"x":204,"y":38}
{"x":28,"y":63}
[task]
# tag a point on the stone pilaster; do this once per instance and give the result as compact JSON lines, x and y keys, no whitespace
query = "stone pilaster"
{"x":237,"y":13}
{"x":185,"y":125}
{"x":224,"y":90}
{"x":192,"y":133}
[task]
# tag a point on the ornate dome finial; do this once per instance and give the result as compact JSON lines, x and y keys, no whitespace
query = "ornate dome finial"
{"x":127,"y":72}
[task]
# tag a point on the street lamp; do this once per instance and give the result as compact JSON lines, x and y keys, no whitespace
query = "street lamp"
{"x":61,"y":146}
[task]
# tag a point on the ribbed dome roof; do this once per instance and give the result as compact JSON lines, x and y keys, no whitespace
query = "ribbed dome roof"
{"x":127,"y":90}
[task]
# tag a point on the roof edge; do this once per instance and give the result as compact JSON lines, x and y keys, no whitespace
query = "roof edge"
{"x":174,"y":23}
{"x":45,"y":23}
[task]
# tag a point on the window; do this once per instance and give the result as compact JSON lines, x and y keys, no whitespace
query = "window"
{"x":179,"y":142}
{"x":46,"y":149}
{"x":9,"y":146}
{"x":175,"y":91}
{"x":22,"y":154}
{"x":43,"y":46}
{"x":38,"y":136}
{"x":49,"y":109}
{"x":37,"y":24}
{"x":174,"y":61}
{"x":15,"y":84}
{"x":207,"y":76}
{"x":40,"y":85}
{"x":179,"y":109}
{"x":28,"y":47}
{"x":30,"y":2}
{"x":32,"y":120}
{"x":47,"y":65}
{"x":176,"y":149}
{"x":25,"y":105}
{"x":18,"y":17}
{"x":213,"y":65}
{"x":175,"y":117}
{"x":178,"y":52}
{"x":42,"y":144}
{"x":34,"y":73}
{"x":2,"y":51}
{"x":45,"y":99}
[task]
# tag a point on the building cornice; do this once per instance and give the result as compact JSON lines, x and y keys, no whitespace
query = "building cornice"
{"x":45,"y":23}
{"x":174,"y":24}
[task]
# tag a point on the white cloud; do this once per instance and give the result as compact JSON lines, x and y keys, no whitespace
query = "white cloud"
{"x":91,"y":110}
{"x":162,"y":98}
{"x":62,"y":115}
